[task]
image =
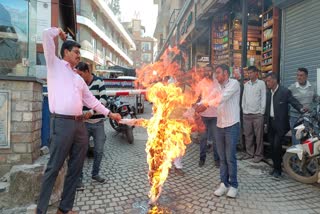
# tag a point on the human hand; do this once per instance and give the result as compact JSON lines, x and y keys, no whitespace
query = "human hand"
{"x":200,"y":108}
{"x":62,"y":35}
{"x":87,"y":115}
{"x":115,"y":116}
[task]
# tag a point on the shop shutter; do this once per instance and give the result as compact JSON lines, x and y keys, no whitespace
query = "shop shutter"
{"x":300,"y":40}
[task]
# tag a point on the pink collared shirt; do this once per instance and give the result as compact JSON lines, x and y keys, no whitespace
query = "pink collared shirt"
{"x":67,"y":91}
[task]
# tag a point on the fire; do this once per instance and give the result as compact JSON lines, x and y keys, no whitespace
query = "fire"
{"x":167,"y":136}
{"x":158,"y":210}
{"x":168,"y":133}
{"x":169,"y":129}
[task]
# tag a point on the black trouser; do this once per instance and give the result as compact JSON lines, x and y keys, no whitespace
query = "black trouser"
{"x":68,"y":138}
{"x":276,"y":147}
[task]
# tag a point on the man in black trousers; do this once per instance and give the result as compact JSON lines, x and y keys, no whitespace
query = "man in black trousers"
{"x":277,"y":114}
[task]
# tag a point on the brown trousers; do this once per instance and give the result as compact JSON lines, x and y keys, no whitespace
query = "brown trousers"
{"x":253,"y":126}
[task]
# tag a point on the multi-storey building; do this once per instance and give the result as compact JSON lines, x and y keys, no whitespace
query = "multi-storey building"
{"x":186,"y":24}
{"x":270,"y":34}
{"x":144,"y":44}
{"x":104,"y":41}
{"x":168,"y":12}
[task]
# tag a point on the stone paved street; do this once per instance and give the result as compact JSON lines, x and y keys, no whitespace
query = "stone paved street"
{"x":127,"y":186}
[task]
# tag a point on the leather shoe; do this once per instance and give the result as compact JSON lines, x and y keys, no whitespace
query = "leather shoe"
{"x":98,"y":178}
{"x":201,"y":163}
{"x":80,"y":186}
{"x":271,"y":172}
{"x":277,"y":174}
{"x":217,"y":164}
{"x":69,"y":212}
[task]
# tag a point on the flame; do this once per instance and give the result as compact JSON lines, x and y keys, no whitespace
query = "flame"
{"x":167,"y":136}
{"x":158,"y":210}
{"x":169,"y":129}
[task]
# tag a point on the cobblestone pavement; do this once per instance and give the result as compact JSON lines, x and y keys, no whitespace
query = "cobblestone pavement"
{"x":127,"y":186}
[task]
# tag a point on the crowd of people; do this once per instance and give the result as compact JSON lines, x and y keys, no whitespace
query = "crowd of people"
{"x":266,"y":105}
{"x":84,"y":98}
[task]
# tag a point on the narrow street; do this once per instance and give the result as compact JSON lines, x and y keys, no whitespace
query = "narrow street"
{"x":126,"y":189}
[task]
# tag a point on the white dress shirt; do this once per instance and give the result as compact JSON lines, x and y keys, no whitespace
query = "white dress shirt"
{"x":254,"y":97}
{"x":229,"y":107}
{"x":271,"y":107}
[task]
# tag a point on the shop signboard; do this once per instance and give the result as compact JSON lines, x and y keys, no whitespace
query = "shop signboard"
{"x":202,"y":60}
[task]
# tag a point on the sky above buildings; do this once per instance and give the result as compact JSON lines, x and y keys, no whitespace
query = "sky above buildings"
{"x":140,"y":9}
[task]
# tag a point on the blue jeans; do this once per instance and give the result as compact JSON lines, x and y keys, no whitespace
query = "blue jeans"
{"x":292,"y":121}
{"x":96,"y":130}
{"x":227,"y":139}
{"x":209,"y":137}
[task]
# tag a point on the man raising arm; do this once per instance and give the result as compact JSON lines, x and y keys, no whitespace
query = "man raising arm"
{"x":67,"y":92}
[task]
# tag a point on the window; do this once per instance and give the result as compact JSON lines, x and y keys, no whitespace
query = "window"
{"x":93,"y":42}
{"x":146,"y":46}
{"x":146,"y":57}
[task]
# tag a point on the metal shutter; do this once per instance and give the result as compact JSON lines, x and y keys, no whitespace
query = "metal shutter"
{"x":300,"y":40}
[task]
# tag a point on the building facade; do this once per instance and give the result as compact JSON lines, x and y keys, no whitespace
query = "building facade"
{"x":104,"y":41}
{"x":300,"y":40}
{"x":144,"y":52}
{"x":274,"y":35}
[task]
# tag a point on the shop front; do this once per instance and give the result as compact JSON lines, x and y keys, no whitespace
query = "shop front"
{"x":300,"y":40}
{"x":261,"y":35}
{"x":17,"y":40}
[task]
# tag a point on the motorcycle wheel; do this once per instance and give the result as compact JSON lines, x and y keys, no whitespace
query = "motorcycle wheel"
{"x":309,"y":172}
{"x":129,"y":134}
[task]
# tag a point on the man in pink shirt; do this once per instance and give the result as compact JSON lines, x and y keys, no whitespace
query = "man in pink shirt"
{"x":67,"y":94}
{"x":208,"y":114}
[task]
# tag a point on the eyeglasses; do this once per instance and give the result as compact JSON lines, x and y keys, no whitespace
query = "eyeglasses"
{"x":76,"y":52}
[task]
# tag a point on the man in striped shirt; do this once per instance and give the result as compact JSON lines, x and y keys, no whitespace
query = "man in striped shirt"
{"x":228,"y":118}
{"x":94,"y":121}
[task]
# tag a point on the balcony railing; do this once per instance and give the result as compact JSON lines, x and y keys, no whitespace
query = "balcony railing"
{"x":90,"y":16}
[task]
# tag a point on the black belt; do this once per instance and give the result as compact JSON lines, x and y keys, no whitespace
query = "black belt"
{"x":69,"y":117}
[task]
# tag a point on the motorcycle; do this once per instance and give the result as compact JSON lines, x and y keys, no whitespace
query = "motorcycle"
{"x":302,"y":161}
{"x":126,"y":111}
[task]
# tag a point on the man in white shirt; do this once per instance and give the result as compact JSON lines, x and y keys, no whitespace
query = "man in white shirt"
{"x":253,"y":107}
{"x":228,"y":129}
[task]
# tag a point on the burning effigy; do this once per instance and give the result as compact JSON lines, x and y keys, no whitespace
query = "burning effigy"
{"x":169,"y":128}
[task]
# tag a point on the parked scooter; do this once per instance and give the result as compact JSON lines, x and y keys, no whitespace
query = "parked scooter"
{"x":302,"y":161}
{"x":127,"y":112}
